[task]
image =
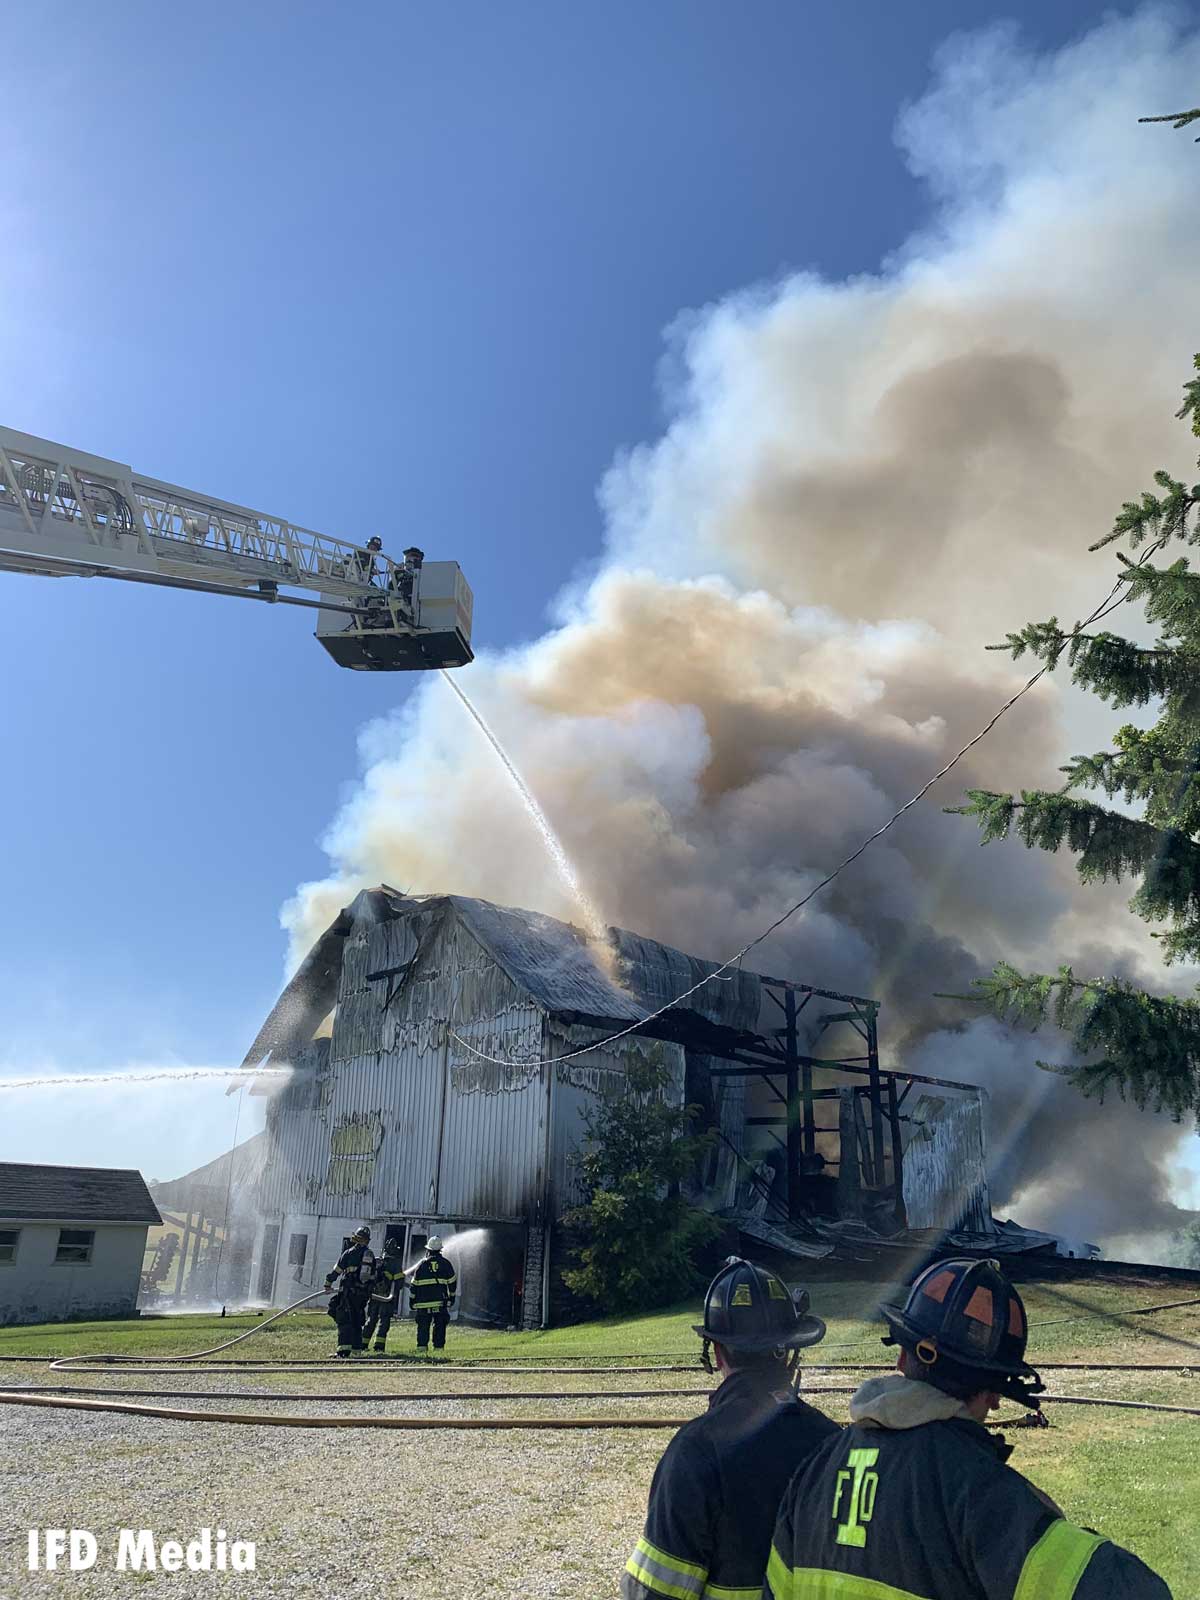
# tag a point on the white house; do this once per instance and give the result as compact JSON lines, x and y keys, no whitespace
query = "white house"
{"x":71,"y":1241}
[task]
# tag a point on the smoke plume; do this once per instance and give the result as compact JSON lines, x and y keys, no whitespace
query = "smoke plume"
{"x":861,"y":483}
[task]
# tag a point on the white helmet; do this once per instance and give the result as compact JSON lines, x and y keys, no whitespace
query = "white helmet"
{"x":434,"y":1243}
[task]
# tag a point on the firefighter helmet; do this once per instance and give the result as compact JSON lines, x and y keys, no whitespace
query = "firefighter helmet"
{"x":433,"y":1244}
{"x":363,"y":1233}
{"x":392,"y":1246}
{"x":966,"y":1324}
{"x":750,"y":1310}
{"x":374,"y":542}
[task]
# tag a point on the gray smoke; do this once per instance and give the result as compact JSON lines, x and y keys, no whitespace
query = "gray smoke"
{"x":860,"y":484}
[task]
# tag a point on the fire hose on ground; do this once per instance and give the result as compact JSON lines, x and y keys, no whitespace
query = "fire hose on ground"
{"x":37,"y":1396}
{"x":469,"y":1424}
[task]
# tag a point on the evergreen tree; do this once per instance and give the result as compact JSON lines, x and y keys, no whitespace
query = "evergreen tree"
{"x":636,"y":1236}
{"x":1147,"y":1047}
{"x":1178,"y":119}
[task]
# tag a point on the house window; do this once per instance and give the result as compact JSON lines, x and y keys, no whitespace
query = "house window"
{"x":8,"y":1243}
{"x":75,"y":1244}
{"x":297,"y":1249}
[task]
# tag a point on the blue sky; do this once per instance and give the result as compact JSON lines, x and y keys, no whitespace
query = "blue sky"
{"x":407,"y":274}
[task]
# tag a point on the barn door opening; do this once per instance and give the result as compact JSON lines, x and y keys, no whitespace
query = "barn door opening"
{"x":267,"y":1262}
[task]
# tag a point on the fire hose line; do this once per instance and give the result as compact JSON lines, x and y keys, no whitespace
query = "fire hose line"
{"x":470,"y":1361}
{"x":105,"y":1364}
{"x":197,"y":1355}
{"x":573,"y":1372}
{"x":157,"y":1364}
{"x":98,"y":1361}
{"x":460,"y":1424}
{"x":340,"y":1396}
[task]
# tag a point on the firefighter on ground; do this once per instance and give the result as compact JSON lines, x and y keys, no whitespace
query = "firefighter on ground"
{"x":915,"y":1498}
{"x":431,"y":1294}
{"x":715,"y":1492}
{"x":385,"y":1294}
{"x":352,"y":1276}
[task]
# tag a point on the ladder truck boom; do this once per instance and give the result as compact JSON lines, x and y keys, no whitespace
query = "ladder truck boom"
{"x":64,"y":513}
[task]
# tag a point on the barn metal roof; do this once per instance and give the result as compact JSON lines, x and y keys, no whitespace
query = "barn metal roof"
{"x":75,"y":1194}
{"x":554,"y":964}
{"x":551,"y":961}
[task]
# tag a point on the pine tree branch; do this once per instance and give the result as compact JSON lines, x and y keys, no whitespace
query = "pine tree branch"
{"x":1110,"y":665}
{"x":1133,"y":771}
{"x":1108,"y":845}
{"x":1146,"y":1047}
{"x":1191,"y":391}
{"x":1160,"y":518}
{"x":1177,"y":119}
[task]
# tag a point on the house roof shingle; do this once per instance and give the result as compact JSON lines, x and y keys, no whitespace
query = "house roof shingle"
{"x":75,"y":1194}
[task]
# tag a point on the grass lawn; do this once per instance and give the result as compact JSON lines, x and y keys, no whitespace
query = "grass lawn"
{"x":1134,"y":1475}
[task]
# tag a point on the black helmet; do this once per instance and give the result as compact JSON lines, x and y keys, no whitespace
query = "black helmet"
{"x":966,"y":1324}
{"x":374,"y":542}
{"x":363,"y":1233}
{"x":749,"y":1309}
{"x":392,"y":1246}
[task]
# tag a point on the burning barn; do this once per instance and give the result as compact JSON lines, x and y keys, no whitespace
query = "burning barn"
{"x":420,"y":1029}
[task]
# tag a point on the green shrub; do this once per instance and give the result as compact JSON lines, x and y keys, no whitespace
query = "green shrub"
{"x":636,"y":1238}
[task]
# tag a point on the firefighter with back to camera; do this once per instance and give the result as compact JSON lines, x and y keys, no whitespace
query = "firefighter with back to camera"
{"x":385,"y":1294}
{"x":915,"y":1497}
{"x":431,"y":1295}
{"x":716,"y":1490}
{"x":351,"y":1280}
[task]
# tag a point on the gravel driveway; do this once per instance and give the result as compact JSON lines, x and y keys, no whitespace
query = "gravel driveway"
{"x":341,"y":1512}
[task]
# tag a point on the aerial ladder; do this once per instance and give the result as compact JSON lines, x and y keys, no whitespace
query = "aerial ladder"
{"x":64,"y":513}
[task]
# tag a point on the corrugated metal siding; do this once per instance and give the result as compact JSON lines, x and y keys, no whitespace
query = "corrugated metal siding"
{"x":945,"y":1172}
{"x":494,"y":1146}
{"x":297,"y":1136}
{"x":390,"y":1116}
{"x":359,"y":1130}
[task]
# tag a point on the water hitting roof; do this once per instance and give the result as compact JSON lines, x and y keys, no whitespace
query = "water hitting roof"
{"x":551,"y":961}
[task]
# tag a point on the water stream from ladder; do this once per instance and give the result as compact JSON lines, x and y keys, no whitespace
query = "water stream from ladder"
{"x":594,"y":924}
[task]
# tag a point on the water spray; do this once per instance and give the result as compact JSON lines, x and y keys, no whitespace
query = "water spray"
{"x":133,"y":1077}
{"x":594,"y":924}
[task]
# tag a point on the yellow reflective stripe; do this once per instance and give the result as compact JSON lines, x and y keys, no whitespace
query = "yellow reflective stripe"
{"x":659,"y":1584}
{"x":779,"y":1576}
{"x":687,"y":1569}
{"x":818,"y":1583}
{"x":665,"y":1573}
{"x":1056,"y":1563}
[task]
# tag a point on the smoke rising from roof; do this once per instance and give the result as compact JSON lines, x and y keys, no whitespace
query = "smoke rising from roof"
{"x":860,"y":484}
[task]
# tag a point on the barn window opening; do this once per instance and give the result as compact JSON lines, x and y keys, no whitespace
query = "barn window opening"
{"x":75,"y":1244}
{"x":8,"y":1243}
{"x":297,"y":1249}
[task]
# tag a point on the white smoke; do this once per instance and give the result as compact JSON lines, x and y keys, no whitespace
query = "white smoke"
{"x":861,"y":483}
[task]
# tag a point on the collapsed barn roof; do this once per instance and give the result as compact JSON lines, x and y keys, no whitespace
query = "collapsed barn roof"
{"x":551,"y":961}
